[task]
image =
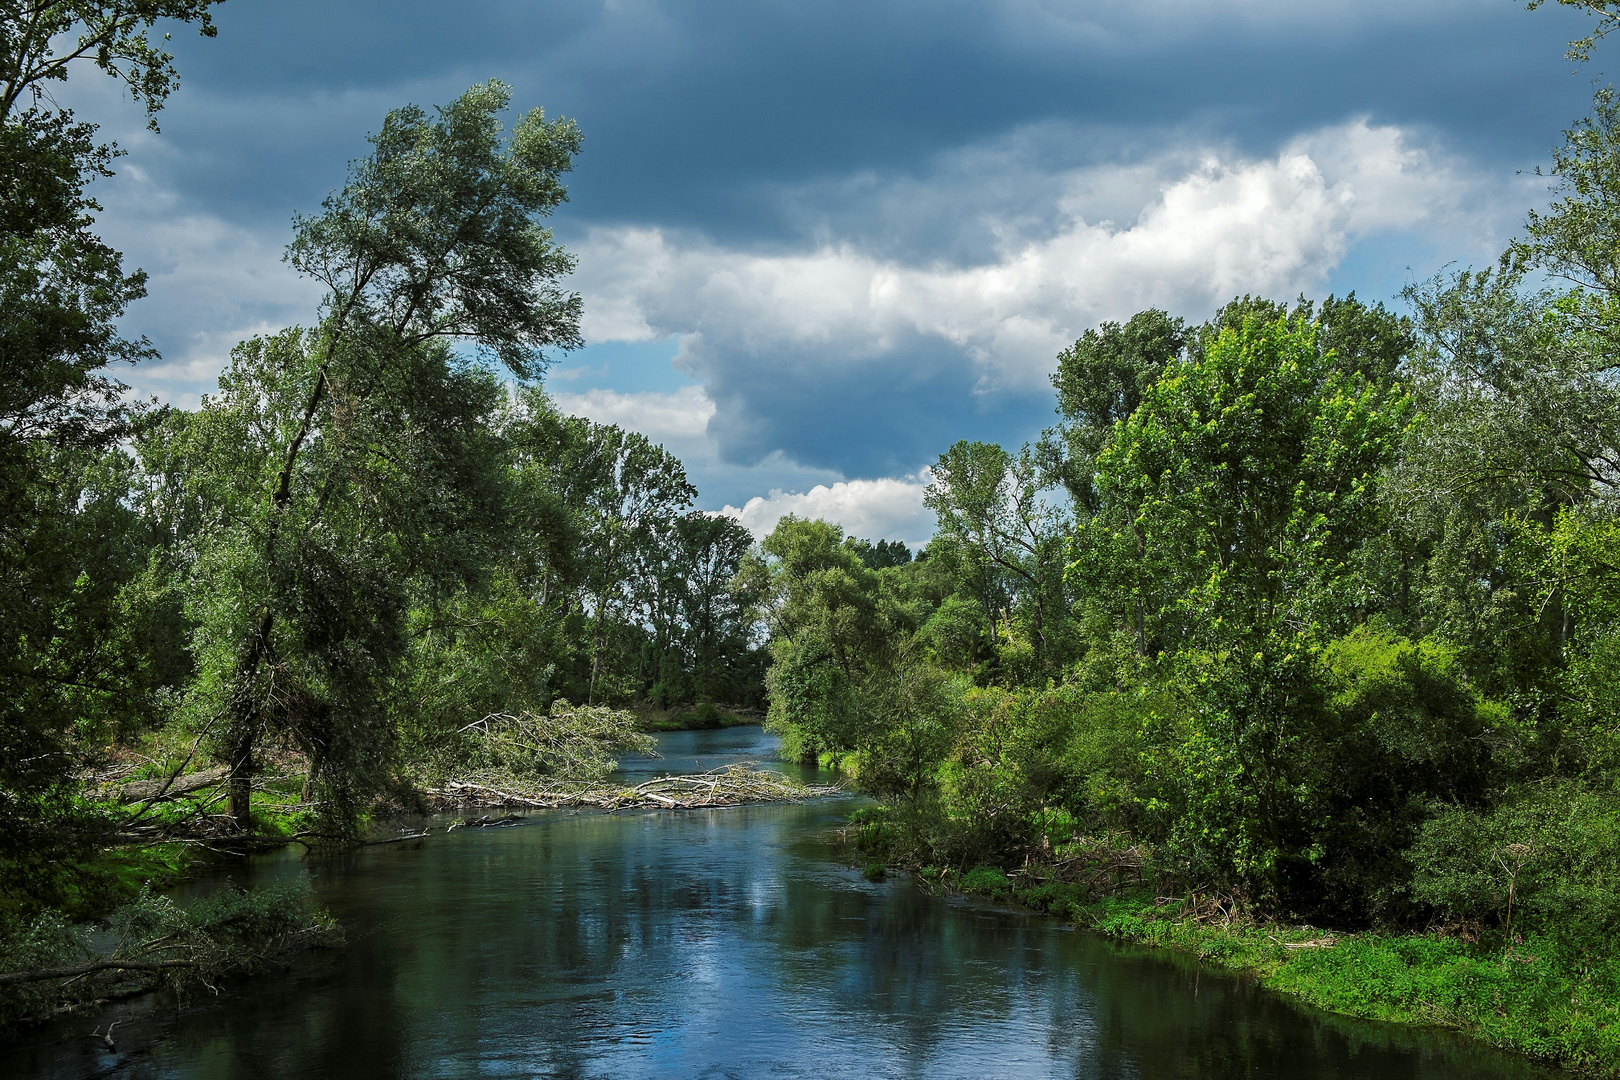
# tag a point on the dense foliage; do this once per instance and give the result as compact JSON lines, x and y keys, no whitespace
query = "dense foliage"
{"x":1309,"y":608}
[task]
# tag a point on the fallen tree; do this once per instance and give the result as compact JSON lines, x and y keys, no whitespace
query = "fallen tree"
{"x":730,"y":786}
{"x":48,"y":967}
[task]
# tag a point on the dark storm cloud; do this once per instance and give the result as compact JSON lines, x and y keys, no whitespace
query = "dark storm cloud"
{"x":697,"y":114}
{"x":928,"y":137}
{"x":807,"y":402}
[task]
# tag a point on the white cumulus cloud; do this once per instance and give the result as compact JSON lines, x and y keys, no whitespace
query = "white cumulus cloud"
{"x":1222,"y":227}
{"x":683,"y":414}
{"x":678,"y":420}
{"x":886,"y":509}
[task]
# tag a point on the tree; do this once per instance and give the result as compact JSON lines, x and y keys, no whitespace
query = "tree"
{"x":339,"y":461}
{"x":1247,"y":479}
{"x":74,"y":578}
{"x":1608,"y":18}
{"x":1577,"y":238}
{"x":836,"y":629}
{"x":113,"y":34}
{"x":632,"y":492}
{"x":881,"y":554}
{"x":709,"y":554}
{"x":994,"y":506}
{"x":1100,"y":381}
{"x":61,"y":288}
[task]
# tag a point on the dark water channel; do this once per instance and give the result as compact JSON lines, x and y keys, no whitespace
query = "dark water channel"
{"x":724,"y":943}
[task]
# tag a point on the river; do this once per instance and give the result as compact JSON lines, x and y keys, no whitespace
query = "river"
{"x":716,"y":943}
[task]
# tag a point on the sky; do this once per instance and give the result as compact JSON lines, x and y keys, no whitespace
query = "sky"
{"x":819,"y":242}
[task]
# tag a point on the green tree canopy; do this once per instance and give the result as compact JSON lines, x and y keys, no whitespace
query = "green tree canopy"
{"x":337,"y":463}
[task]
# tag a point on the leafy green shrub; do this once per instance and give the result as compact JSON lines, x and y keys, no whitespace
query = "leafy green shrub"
{"x":1554,"y":848}
{"x":917,"y":716}
{"x":987,"y":880}
{"x":1107,"y":755}
{"x":1407,"y":731}
{"x":47,"y":941}
{"x":706,"y":716}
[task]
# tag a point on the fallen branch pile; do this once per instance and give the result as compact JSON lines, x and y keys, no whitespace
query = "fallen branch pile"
{"x":1099,"y":866}
{"x":731,"y":786}
{"x":47,"y":967}
{"x":1207,"y":907}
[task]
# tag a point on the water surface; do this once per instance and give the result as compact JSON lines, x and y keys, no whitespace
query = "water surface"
{"x":723,"y":943}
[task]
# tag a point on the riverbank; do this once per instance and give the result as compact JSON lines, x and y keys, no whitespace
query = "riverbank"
{"x":1532,"y":996}
{"x":54,"y":962}
{"x":702,"y":717}
{"x":586,"y":943}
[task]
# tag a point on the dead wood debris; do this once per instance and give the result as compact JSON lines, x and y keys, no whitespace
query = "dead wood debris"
{"x":1096,"y":865}
{"x":1226,"y":908}
{"x":730,"y":786}
{"x":141,"y":790}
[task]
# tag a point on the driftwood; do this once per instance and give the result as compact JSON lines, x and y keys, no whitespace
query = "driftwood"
{"x":11,"y":977}
{"x":1318,"y":943}
{"x":731,"y":786}
{"x":486,"y":822}
{"x":138,"y":790}
{"x":1094,"y":864}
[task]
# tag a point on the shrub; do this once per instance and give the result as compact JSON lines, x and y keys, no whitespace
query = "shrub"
{"x":1554,"y":846}
{"x":229,"y":932}
{"x":987,"y":880}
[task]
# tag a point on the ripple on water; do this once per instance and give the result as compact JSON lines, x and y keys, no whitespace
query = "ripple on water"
{"x":725,"y":943}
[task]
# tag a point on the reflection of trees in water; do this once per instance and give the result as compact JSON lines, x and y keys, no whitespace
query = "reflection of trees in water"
{"x":644,"y":943}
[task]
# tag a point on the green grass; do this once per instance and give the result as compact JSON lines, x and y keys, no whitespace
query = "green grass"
{"x":1537,"y":997}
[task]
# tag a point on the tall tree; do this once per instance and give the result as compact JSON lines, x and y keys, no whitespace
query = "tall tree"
{"x":637,"y":492}
{"x":1250,"y":474}
{"x":1100,"y":381}
{"x":710,"y":550}
{"x":343,"y":459}
{"x":837,"y":631}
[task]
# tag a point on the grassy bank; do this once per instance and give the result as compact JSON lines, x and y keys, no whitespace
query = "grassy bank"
{"x":703,"y":717}
{"x":1531,"y":996}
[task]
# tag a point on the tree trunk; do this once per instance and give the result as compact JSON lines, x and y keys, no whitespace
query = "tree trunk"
{"x":239,"y":786}
{"x":1141,"y":616}
{"x":244,"y":727}
{"x":596,"y":657}
{"x":308,"y":795}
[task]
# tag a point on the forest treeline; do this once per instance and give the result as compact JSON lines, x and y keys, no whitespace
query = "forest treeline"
{"x":1315,"y":603}
{"x":377,"y":532}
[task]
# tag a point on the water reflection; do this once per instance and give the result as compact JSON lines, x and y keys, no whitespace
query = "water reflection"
{"x":720,"y":944}
{"x":700,"y":751}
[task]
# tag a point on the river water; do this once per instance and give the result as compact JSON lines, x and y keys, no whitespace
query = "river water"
{"x":723,"y":943}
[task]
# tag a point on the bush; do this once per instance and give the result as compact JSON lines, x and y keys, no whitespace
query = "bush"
{"x":707,"y":716}
{"x":988,"y":881}
{"x":1555,"y":845}
{"x":1409,"y":731}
